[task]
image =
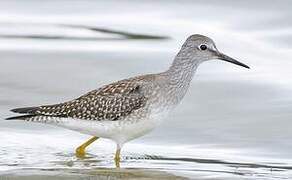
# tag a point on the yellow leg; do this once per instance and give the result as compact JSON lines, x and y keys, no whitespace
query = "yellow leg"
{"x":80,"y":151}
{"x":117,"y":157}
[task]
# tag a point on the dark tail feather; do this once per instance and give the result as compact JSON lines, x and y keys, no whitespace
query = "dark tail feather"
{"x":26,"y":110}
{"x":25,"y":117}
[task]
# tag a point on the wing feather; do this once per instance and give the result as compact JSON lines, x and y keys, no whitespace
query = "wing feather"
{"x":111,"y":102}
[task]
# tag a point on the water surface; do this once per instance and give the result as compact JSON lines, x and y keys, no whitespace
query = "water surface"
{"x":233,"y":124}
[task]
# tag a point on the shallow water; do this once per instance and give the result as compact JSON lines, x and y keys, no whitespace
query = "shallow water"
{"x":233,"y":124}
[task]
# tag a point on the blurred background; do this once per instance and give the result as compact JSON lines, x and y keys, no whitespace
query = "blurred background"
{"x":233,"y":124}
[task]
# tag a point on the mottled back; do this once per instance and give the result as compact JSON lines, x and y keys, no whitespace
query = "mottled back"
{"x":110,"y":102}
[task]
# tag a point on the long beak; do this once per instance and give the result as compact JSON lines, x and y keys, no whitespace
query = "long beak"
{"x":229,"y":59}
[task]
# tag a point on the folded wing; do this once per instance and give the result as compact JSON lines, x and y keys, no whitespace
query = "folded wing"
{"x":111,"y":102}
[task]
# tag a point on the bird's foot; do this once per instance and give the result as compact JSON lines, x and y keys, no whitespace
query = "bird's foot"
{"x":117,"y":162}
{"x":117,"y":158}
{"x":80,"y":152}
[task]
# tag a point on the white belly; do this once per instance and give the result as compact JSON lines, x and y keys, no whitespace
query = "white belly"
{"x":119,"y":131}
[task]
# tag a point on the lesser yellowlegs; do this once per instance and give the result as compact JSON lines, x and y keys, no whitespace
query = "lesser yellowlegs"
{"x":130,"y":108}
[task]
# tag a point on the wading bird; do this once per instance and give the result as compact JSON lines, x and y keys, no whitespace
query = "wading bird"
{"x":129,"y":108}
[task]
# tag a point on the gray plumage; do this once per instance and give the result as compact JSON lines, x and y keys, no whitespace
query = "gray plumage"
{"x":130,"y":108}
{"x":111,"y":102}
{"x":136,"y":97}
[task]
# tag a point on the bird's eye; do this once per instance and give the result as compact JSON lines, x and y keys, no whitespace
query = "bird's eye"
{"x":203,"y":47}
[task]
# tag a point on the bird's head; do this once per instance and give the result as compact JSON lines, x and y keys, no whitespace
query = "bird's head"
{"x":203,"y":48}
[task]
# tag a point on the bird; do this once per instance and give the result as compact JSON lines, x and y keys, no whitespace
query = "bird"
{"x":130,"y":108}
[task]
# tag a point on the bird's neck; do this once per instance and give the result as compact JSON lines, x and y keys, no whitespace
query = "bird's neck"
{"x":182,"y":69}
{"x":179,"y":76}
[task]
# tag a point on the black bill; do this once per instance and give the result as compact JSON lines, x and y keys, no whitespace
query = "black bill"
{"x":231,"y":60}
